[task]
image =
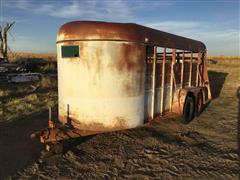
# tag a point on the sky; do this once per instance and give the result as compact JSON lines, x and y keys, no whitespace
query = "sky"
{"x":214,"y":22}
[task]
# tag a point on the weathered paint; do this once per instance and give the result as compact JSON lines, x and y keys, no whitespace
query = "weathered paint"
{"x":130,"y":32}
{"x":103,"y":89}
{"x":110,"y":86}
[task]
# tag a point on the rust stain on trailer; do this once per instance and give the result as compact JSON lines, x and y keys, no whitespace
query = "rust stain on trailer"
{"x":97,"y":60}
{"x":131,"y":59}
{"x":92,"y":61}
{"x":92,"y":30}
{"x":118,"y":124}
{"x":60,"y":133}
{"x":97,"y":65}
{"x":84,"y":55}
{"x":131,"y":63}
{"x":178,"y":101}
{"x":129,"y":89}
{"x":127,"y":61}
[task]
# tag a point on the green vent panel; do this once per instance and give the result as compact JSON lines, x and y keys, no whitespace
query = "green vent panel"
{"x":70,"y":51}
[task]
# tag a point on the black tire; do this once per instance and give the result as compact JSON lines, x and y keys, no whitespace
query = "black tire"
{"x":199,"y":104}
{"x":188,"y":110}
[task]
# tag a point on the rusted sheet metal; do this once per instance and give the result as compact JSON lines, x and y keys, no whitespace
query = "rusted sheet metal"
{"x":58,"y":132}
{"x":61,"y":133}
{"x":178,"y":100}
{"x":130,"y":32}
{"x":103,"y":89}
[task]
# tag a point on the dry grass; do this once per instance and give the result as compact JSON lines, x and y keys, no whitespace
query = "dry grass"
{"x":20,"y":100}
{"x":15,"y":56}
{"x":224,"y":57}
{"x":50,"y":60}
{"x":224,"y":60}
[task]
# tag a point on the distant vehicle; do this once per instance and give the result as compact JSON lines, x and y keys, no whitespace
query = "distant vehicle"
{"x":6,"y":67}
{"x":23,"y":77}
{"x":16,"y":73}
{"x":115,"y":76}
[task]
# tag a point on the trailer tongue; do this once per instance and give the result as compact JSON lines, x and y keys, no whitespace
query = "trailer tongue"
{"x":58,"y":133}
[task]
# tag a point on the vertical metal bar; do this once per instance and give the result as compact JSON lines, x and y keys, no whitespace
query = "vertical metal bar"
{"x":206,"y":76}
{"x":50,"y":122}
{"x":200,"y":70}
{"x":198,"y":61}
{"x":163,"y":80}
{"x":68,"y":113}
{"x":171,"y":79}
{"x":203,"y":68}
{"x":190,"y":73}
{"x":153,"y":81}
{"x":182,"y":69}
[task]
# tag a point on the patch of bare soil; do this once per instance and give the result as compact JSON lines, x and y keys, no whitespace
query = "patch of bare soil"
{"x":205,"y":148}
{"x":23,"y":110}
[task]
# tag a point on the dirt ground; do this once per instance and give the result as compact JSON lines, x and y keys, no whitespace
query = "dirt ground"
{"x":205,"y":148}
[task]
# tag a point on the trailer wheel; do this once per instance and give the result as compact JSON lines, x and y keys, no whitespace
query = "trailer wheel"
{"x":188,"y":111}
{"x":199,"y":105}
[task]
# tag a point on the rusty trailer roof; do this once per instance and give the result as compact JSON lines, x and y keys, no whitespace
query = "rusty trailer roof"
{"x":130,"y":32}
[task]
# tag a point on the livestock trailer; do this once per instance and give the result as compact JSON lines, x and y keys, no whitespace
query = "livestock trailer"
{"x":115,"y":76}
